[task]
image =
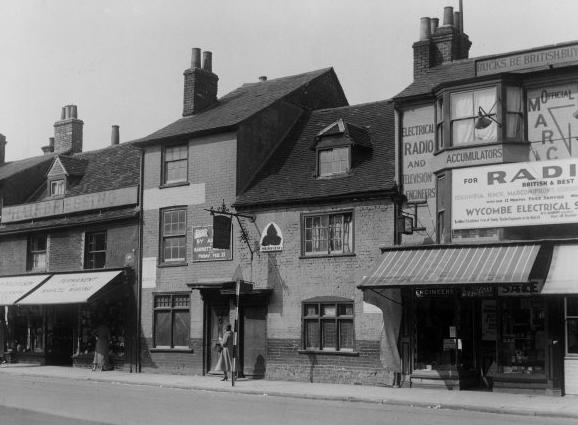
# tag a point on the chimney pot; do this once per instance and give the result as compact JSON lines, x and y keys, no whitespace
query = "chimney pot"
{"x":449,"y":15}
{"x":51,"y":142}
{"x":196,"y":59}
{"x":208,"y":61}
{"x":457,"y":21}
{"x":424,"y":29}
{"x":2,"y":148}
{"x":263,"y":78}
{"x":434,"y":25}
{"x":114,"y":137}
{"x":63,"y":113}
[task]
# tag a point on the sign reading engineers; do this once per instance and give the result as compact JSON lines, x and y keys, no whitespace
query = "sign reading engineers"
{"x":517,"y":194}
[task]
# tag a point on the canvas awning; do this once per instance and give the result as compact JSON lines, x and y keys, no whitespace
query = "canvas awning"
{"x":15,"y":287}
{"x":70,"y":288}
{"x":224,"y":285}
{"x":453,"y":265}
{"x":562,"y":276}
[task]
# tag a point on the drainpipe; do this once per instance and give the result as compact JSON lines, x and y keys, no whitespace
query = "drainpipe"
{"x":138,"y":365}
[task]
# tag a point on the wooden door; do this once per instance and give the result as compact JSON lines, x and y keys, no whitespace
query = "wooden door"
{"x":254,"y":341}
{"x":218,"y":320}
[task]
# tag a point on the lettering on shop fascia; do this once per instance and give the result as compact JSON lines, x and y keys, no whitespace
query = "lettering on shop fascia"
{"x":532,"y":59}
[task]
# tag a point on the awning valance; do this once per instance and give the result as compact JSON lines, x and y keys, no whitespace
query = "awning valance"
{"x":562,"y":276}
{"x":453,"y":265}
{"x":70,"y":288}
{"x":224,"y":285}
{"x":15,"y":287}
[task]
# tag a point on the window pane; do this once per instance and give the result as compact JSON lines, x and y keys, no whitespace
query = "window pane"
{"x":462,"y":105}
{"x":487,"y":134}
{"x":176,"y":171}
{"x":462,"y":131}
{"x":346,"y":334}
{"x":572,"y":329}
{"x":163,"y":328}
{"x":312,"y":334}
{"x":345,"y":309}
{"x":39,"y":261}
{"x":514,"y":125}
{"x":174,"y":249}
{"x":572,"y":306}
{"x":163,"y":301}
{"x":181,"y":329}
{"x":329,"y":335}
{"x":328,"y":310}
{"x":514,"y":99}
{"x":311,"y":309}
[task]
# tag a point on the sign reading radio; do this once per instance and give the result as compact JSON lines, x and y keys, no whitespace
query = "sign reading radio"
{"x":417,"y":139}
{"x":518,"y":194}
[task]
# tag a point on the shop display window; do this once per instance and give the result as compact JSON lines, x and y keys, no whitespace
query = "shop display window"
{"x":435,"y":317}
{"x":27,"y":330}
{"x":523,"y":342}
{"x":572,"y":326}
{"x":90,"y":315}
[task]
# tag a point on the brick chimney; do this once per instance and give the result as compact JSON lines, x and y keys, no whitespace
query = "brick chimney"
{"x":200,"y":84}
{"x":68,"y":131}
{"x":2,"y":149}
{"x":48,"y":149}
{"x":440,"y":44}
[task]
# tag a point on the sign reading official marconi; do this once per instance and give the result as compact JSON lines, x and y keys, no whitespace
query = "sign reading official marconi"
{"x":518,"y":194}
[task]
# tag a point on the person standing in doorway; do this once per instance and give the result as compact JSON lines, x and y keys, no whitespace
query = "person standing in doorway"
{"x":102,"y":335}
{"x":224,"y":362}
{"x":3,"y":338}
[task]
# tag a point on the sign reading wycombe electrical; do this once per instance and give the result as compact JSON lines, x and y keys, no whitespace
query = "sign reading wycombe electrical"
{"x":518,"y":194}
{"x":530,"y":59}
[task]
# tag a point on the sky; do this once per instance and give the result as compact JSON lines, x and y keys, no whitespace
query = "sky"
{"x":122,"y":61}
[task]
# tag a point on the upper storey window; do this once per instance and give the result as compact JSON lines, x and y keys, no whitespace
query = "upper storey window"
{"x":57,"y":187}
{"x":333,"y":161}
{"x":175,"y":164}
{"x":465,"y":109}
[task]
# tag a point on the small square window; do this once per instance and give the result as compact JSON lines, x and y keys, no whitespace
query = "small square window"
{"x":333,"y":161}
{"x":57,"y":187}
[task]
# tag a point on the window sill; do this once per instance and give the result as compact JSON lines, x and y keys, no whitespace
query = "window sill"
{"x":331,"y":353}
{"x":305,"y":257}
{"x":334,"y":176}
{"x":171,"y":350}
{"x":469,"y":145}
{"x":177,"y":184}
{"x":175,"y":264}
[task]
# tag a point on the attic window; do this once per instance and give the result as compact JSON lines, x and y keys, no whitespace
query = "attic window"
{"x":57,"y":187}
{"x":333,"y":161}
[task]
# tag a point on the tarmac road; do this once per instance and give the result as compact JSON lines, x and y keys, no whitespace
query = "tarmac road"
{"x":31,"y":400}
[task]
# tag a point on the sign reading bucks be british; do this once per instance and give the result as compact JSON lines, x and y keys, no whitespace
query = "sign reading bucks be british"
{"x":517,"y":194}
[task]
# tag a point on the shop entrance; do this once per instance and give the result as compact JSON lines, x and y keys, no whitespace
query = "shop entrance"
{"x":60,"y":322}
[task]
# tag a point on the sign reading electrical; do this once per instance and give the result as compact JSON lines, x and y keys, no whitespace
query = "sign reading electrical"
{"x":518,"y":194}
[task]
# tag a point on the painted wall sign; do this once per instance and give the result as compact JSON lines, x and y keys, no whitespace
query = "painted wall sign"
{"x":517,"y":194}
{"x":552,"y":122}
{"x":469,"y":157}
{"x":531,"y":59}
{"x":271,"y":238}
{"x":203,"y":246}
{"x":417,"y":147}
{"x":517,"y":289}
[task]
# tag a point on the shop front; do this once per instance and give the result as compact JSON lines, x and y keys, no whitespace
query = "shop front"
{"x":476,"y":316}
{"x":53,"y":322}
{"x":220,"y":302}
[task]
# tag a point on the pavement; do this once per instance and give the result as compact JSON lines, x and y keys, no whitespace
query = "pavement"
{"x":479,"y":401}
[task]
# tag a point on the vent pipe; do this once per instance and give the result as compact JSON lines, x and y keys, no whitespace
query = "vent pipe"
{"x":114,"y":136}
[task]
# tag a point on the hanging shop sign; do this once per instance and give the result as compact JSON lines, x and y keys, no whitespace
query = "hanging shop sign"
{"x":552,"y":124}
{"x":525,"y":60}
{"x":517,"y":194}
{"x":203,"y":246}
{"x":271,"y":238}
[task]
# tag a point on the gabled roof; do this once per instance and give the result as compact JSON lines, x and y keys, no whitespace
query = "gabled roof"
{"x":10,"y":169}
{"x":236,"y":106}
{"x":72,"y":166}
{"x":355,"y":135}
{"x":289,"y":176}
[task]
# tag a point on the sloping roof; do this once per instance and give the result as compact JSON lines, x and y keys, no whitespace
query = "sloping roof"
{"x":73,"y":166}
{"x":236,"y":106}
{"x":10,"y":169}
{"x":289,"y":175}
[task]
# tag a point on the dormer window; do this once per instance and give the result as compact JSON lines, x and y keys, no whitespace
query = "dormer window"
{"x":333,"y":161}
{"x":335,"y":147}
{"x":57,"y":187}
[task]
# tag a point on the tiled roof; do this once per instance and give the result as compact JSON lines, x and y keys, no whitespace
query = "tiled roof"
{"x":73,"y":166}
{"x":453,"y":71}
{"x":236,"y":106}
{"x":110,"y":168}
{"x":10,"y":169}
{"x":288,"y":176}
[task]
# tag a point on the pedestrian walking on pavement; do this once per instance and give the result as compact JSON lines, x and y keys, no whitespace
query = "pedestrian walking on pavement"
{"x":224,"y":362}
{"x":102,"y":335}
{"x":3,"y":338}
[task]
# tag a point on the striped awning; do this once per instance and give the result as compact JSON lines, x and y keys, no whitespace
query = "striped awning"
{"x":562,"y":277}
{"x":453,"y":265}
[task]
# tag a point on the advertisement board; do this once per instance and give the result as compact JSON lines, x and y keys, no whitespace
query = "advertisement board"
{"x":517,"y":194}
{"x":203,"y":246}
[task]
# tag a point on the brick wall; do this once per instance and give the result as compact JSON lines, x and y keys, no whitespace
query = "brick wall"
{"x":13,"y":255}
{"x":571,"y":376}
{"x":175,"y":362}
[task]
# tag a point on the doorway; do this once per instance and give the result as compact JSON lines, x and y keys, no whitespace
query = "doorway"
{"x":60,"y":324}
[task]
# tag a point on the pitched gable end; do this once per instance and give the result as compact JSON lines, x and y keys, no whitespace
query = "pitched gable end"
{"x":56,"y":169}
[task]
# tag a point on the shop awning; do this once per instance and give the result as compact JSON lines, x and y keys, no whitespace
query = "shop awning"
{"x":15,"y":287}
{"x":222,"y":285}
{"x":70,"y":288}
{"x":562,"y":276}
{"x":453,"y":265}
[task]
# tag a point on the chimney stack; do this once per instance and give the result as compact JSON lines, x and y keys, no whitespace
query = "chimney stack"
{"x":444,"y":44}
{"x":2,"y":149}
{"x":201,"y":84}
{"x":50,"y":147}
{"x":115,"y":136}
{"x":263,"y":78}
{"x":68,"y":131}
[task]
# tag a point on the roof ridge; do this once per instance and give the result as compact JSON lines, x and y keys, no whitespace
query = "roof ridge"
{"x":357,"y":105}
